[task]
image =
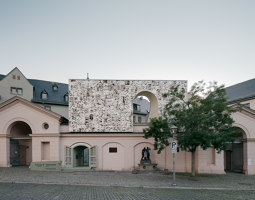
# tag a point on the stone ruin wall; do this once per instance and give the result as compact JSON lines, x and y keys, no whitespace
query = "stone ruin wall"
{"x":107,"y":105}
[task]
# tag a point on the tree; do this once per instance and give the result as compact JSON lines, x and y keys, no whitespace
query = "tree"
{"x":202,"y":116}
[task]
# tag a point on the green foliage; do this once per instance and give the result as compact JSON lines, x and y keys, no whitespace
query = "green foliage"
{"x":202,"y":116}
{"x":159,"y":130}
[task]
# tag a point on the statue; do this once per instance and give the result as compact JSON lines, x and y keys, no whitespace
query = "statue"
{"x":145,"y":162}
{"x":143,"y":151}
{"x":146,"y":154}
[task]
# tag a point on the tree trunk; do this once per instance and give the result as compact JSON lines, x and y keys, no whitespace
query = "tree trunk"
{"x":193,"y":163}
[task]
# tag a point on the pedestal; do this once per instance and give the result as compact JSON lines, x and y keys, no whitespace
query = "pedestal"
{"x":147,"y":165}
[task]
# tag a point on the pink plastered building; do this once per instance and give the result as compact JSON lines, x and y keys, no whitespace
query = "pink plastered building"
{"x":101,"y":135}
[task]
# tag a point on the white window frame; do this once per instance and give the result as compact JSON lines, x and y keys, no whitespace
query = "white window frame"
{"x":17,"y":91}
{"x":44,"y":95}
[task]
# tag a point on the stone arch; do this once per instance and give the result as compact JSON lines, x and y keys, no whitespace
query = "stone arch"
{"x":113,"y":156}
{"x":12,"y":122}
{"x":246,"y":133}
{"x":154,"y":111}
{"x":80,"y":144}
{"x":138,"y":149}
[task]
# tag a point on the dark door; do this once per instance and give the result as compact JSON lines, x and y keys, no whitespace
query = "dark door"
{"x":22,"y":155}
{"x":228,"y":160}
{"x":237,"y":157}
{"x":14,"y":152}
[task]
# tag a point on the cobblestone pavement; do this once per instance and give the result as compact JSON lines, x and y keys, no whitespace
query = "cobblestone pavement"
{"x":127,"y":179}
{"x":21,"y":183}
{"x":44,"y":192}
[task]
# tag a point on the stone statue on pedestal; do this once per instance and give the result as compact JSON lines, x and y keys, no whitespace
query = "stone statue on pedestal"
{"x":145,"y":163}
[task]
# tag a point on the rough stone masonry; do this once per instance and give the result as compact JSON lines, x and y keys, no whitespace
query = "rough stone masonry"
{"x":107,"y":105}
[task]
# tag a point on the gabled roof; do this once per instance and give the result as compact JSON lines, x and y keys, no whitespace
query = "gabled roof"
{"x":15,"y":69}
{"x":17,"y":99}
{"x":56,"y":97}
{"x":241,"y":91}
{"x":24,"y":101}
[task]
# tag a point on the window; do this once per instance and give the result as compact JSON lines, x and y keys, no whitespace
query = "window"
{"x":139,"y":119}
{"x":112,"y":149}
{"x":66,"y":98}
{"x":134,"y":119}
{"x":15,"y":90}
{"x":134,"y":106}
{"x":18,"y":77}
{"x":45,"y":126}
{"x":13,"y":77}
{"x":19,"y":91}
{"x":55,"y":87}
{"x":44,"y":94}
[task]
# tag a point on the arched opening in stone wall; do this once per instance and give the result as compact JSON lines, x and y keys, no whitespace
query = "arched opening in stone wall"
{"x":145,"y":107}
{"x":20,"y":144}
{"x":235,"y":155}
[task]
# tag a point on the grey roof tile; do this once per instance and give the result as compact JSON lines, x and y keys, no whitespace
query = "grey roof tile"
{"x":241,"y":91}
{"x":54,"y":97}
{"x":1,"y":76}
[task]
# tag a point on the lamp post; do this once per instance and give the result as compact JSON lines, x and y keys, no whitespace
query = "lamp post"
{"x":173,"y":130}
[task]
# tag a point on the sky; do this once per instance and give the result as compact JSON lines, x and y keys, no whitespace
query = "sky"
{"x":193,"y":40}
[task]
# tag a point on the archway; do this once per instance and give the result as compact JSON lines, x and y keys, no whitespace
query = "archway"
{"x":148,"y":104}
{"x":81,"y":156}
{"x":20,"y":144}
{"x":234,"y":156}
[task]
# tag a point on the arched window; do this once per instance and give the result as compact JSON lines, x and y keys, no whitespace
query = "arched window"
{"x":145,"y":106}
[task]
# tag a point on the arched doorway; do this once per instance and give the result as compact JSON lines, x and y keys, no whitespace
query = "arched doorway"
{"x":235,"y":155}
{"x":20,"y":144}
{"x":81,"y":156}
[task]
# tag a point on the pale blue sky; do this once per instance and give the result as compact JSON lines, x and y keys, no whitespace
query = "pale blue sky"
{"x":57,"y":40}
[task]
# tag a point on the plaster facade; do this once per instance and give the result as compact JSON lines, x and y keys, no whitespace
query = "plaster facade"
{"x":20,"y":110}
{"x":15,"y":79}
{"x":103,"y":100}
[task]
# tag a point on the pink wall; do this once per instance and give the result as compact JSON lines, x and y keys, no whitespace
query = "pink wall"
{"x":34,"y":116}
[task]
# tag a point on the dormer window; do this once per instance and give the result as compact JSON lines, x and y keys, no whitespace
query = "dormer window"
{"x":66,"y":97}
{"x":44,"y":94}
{"x":55,"y":87}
